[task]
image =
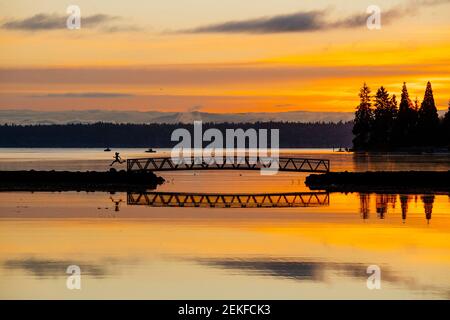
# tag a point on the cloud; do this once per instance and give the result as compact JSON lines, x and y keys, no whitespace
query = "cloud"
{"x":310,"y":20}
{"x":295,"y":22}
{"x":84,"y":95}
{"x":47,"y":22}
{"x":158,"y":76}
{"x":36,"y":22}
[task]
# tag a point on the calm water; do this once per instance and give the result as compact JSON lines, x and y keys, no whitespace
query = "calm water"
{"x":126,"y":250}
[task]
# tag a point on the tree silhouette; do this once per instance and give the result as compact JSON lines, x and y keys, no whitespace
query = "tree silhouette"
{"x":386,"y":127}
{"x":406,"y":118}
{"x":428,"y":120}
{"x":446,"y":127}
{"x":416,"y":105}
{"x":363,"y":120}
{"x":385,"y":113}
{"x":158,"y":135}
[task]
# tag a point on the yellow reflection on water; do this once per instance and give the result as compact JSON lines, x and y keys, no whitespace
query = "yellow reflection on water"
{"x":146,"y":252}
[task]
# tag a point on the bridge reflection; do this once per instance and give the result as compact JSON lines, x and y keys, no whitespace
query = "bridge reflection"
{"x":381,"y":204}
{"x":208,"y":200}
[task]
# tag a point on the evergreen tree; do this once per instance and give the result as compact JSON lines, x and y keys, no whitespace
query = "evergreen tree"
{"x":446,"y":127}
{"x":414,"y":135}
{"x":363,"y":120}
{"x":392,"y":118}
{"x":416,"y":105}
{"x":428,"y":120}
{"x":393,"y":107}
{"x":385,"y":112}
{"x":405,"y":122}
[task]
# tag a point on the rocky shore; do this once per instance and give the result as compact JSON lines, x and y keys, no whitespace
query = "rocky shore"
{"x":111,"y":180}
{"x":381,"y":181}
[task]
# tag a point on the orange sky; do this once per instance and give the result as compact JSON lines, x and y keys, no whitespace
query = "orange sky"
{"x":139,"y":57}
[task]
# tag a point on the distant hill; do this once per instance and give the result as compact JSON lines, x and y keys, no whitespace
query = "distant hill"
{"x":136,"y":117}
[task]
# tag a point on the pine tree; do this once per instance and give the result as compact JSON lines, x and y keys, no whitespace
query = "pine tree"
{"x":428,"y":120}
{"x":363,"y":120}
{"x":414,"y":134}
{"x":416,"y":105}
{"x":393,"y":106}
{"x":384,"y":118}
{"x":392,"y":118}
{"x":405,"y":122}
{"x":446,"y":128}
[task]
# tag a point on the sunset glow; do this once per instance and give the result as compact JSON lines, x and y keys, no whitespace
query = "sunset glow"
{"x":140,"y":57}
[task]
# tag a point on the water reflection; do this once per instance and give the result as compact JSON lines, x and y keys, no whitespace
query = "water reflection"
{"x":364,"y":205}
{"x":395,"y":162}
{"x":404,"y":202}
{"x":385,"y":201}
{"x":428,"y":201}
{"x":116,"y":204}
{"x":299,"y":269}
{"x":43,"y":268}
{"x":268,"y":200}
{"x":304,"y":269}
{"x":174,"y":253}
{"x":382,"y":202}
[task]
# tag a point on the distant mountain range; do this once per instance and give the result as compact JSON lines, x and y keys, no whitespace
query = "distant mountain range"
{"x":137,"y":117}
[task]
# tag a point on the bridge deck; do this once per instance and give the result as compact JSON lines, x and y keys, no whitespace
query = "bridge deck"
{"x":282,"y":200}
{"x":241,"y":163}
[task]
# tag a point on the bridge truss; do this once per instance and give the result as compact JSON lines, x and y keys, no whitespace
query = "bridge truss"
{"x":225,"y":163}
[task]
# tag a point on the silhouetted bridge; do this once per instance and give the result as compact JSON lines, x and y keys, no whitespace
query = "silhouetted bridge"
{"x":181,"y":199}
{"x":239,"y":163}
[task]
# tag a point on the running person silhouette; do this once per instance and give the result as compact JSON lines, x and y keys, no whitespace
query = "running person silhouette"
{"x":117,"y":159}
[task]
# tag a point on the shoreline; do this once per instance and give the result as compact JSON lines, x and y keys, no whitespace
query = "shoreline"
{"x":111,"y":180}
{"x":381,"y":181}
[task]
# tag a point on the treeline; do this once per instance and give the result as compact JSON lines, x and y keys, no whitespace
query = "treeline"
{"x":101,"y":135}
{"x":381,"y":124}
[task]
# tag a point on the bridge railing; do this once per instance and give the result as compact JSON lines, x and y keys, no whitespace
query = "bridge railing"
{"x":281,"y":200}
{"x":226,"y":163}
